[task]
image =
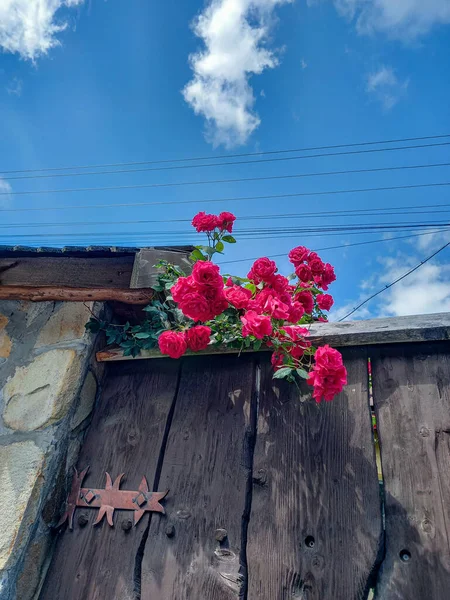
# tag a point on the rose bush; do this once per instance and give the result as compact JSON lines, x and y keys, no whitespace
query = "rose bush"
{"x":191,"y":312}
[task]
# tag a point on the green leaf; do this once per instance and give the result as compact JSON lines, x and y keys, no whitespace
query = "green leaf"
{"x":197,"y":255}
{"x":302,"y":373}
{"x":247,"y":342}
{"x":219,"y":247}
{"x":229,"y":238}
{"x":143,"y":335}
{"x":150,"y":309}
{"x":282,"y":373}
{"x":257,"y":345}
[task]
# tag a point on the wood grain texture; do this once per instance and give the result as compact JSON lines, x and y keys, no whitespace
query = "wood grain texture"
{"x":111,"y":272}
{"x":207,"y":466}
{"x":376,"y":331}
{"x":412,"y":399}
{"x":71,"y":294}
{"x":98,"y":563}
{"x":315,"y":529}
{"x":144,"y":272}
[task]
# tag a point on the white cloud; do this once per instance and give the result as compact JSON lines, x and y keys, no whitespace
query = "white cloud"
{"x":30,"y":27}
{"x":5,"y":190}
{"x":15,"y":87}
{"x":235,"y":34}
{"x":425,"y":291}
{"x":386,"y":87}
{"x":303,"y":64}
{"x":405,"y":19}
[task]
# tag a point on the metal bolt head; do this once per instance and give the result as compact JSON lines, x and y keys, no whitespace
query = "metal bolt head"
{"x":83,"y":520}
{"x":127,"y":524}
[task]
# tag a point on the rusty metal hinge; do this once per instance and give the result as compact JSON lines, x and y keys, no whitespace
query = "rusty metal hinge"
{"x":110,"y":499}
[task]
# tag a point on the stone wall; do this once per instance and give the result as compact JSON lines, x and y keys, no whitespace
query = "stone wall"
{"x":48,"y":385}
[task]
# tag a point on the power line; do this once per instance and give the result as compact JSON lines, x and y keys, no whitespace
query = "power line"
{"x":386,"y":287}
{"x":412,"y":210}
{"x":243,"y":235}
{"x":248,"y":179}
{"x":402,"y":237}
{"x":283,"y":151}
{"x":221,"y":164}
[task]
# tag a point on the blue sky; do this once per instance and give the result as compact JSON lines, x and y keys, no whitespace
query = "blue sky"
{"x":96,"y":82}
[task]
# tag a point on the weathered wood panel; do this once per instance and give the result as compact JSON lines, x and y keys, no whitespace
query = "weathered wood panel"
{"x":377,"y":331}
{"x":207,"y":466}
{"x":315,"y":528}
{"x":126,"y":434}
{"x":412,"y":399}
{"x":71,"y":294}
{"x":144,"y":272}
{"x":111,"y":272}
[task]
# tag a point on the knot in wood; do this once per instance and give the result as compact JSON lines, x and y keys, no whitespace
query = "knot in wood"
{"x":127,"y":524}
{"x":221,"y":535}
{"x":83,"y":520}
{"x":170,"y":531}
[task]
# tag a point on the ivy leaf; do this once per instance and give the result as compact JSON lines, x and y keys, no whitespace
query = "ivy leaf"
{"x":302,"y":373}
{"x":229,"y":238}
{"x":282,"y":373}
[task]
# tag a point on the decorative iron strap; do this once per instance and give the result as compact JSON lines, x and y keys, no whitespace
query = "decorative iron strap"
{"x":110,"y":499}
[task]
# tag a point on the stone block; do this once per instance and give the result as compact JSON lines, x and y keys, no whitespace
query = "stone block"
{"x":20,"y":468}
{"x":86,"y":400}
{"x":42,"y":392}
{"x":5,"y":340}
{"x":66,"y":324}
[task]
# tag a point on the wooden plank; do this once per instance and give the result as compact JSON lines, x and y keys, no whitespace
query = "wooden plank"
{"x":315,"y":528}
{"x":144,"y":272}
{"x":126,"y":435}
{"x":112,"y":272}
{"x":53,"y":294}
{"x":421,"y":328}
{"x":412,"y":398}
{"x":375,"y":331}
{"x":208,"y":470}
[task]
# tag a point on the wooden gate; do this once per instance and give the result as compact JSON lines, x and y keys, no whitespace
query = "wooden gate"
{"x":271,"y":496}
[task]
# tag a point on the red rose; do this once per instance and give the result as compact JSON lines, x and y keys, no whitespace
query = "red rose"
{"x":317,"y":266}
{"x":280,"y":283}
{"x":296,"y":312}
{"x":238,"y":296}
{"x":324,"y":301}
{"x":183,"y":286}
{"x":322,"y":320}
{"x":306,"y":298}
{"x":205,"y":273}
{"x":328,"y":275}
{"x":298,"y":255}
{"x":277,"y":360}
{"x":295,"y":332}
{"x":262,"y":270}
{"x":172,"y":343}
{"x":257,"y":325}
{"x":304,"y":273}
{"x":276,"y":308}
{"x":198,"y":337}
{"x":196,"y":307}
{"x":226,"y":221}
{"x":218,"y":305}
{"x":329,"y":375}
{"x":205,"y":223}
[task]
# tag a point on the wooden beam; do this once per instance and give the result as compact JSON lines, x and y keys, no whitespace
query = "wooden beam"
{"x":65,"y":271}
{"x":396,"y":330}
{"x":50,"y":293}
